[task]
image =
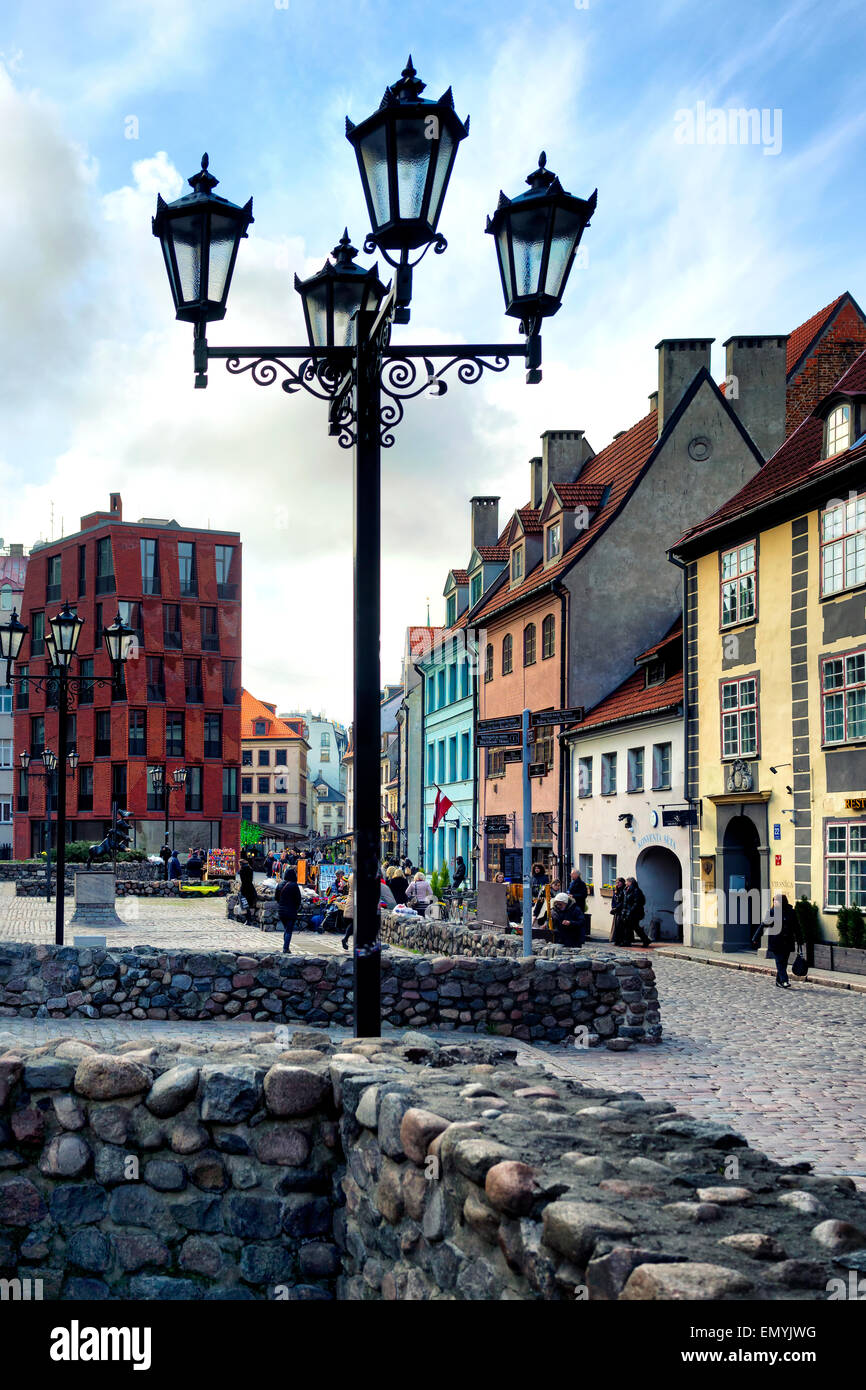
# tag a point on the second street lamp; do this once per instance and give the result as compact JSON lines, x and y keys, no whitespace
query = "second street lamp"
{"x":405,"y":152}
{"x":163,"y":788}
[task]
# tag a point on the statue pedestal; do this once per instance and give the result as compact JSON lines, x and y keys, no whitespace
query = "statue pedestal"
{"x":94,"y":901}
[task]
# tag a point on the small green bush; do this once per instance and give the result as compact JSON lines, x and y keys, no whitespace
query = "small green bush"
{"x":808,"y":921}
{"x":851,"y":926}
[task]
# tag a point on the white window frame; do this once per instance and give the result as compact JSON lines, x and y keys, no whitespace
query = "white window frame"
{"x":731,"y":717}
{"x":584,"y":777}
{"x":517,"y":564}
{"x":739,"y":566}
{"x":553,"y":541}
{"x":608,"y":774}
{"x":849,"y":684}
{"x":584,"y":864}
{"x":838,"y":431}
{"x":659,"y":785}
{"x":845,"y":858}
{"x":5,"y":812}
{"x":634,"y":782}
{"x":5,"y":752}
{"x":843,"y":546}
{"x":608,"y":879}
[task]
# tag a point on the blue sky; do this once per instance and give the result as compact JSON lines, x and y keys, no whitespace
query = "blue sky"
{"x":95,"y":390}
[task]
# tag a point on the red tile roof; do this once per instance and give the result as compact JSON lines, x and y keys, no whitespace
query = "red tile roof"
{"x":579,"y":494}
{"x":618,"y":467}
{"x":804,"y":336}
{"x":423,"y":639}
{"x":634,"y":697}
{"x":492,"y":553}
{"x":531,"y":518}
{"x":675,"y":630}
{"x":794,"y":463}
{"x":461,"y":576}
{"x":253,"y":709}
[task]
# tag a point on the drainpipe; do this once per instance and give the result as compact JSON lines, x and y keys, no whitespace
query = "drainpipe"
{"x":563,"y":839}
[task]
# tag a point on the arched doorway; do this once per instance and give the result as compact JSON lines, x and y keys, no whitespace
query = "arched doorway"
{"x":660,"y":878}
{"x":742,"y":882}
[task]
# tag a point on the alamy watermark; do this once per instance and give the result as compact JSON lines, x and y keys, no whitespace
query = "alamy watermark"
{"x":732,"y":125}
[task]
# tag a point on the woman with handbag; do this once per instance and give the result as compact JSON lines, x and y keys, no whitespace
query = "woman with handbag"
{"x":248,"y":891}
{"x":783,"y":934}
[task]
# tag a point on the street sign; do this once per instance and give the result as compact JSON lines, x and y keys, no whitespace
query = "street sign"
{"x":496,"y":824}
{"x":504,"y":722}
{"x":501,"y":738}
{"x":777,"y":832}
{"x":513,"y":755}
{"x":537,"y":769}
{"x":556,"y":716}
{"x":688,"y":816}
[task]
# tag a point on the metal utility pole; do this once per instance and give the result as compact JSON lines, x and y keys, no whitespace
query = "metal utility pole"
{"x":527,"y":840}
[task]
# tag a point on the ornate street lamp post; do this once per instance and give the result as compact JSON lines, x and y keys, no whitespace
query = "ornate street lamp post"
{"x":163,"y":788}
{"x":61,"y":641}
{"x":49,"y":772}
{"x":406,"y":152}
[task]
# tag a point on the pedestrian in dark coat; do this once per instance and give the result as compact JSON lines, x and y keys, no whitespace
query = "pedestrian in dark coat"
{"x":567,"y":920}
{"x":398,"y":883}
{"x":248,"y":888}
{"x":634,"y":907}
{"x":288,"y":906}
{"x":617,"y":913}
{"x":578,"y":889}
{"x":783,"y":935}
{"x":173,"y":866}
{"x":459,"y":871}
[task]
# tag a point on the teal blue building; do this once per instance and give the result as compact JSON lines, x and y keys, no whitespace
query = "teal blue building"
{"x":448,"y":743}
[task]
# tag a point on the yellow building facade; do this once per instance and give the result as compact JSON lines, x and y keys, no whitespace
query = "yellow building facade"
{"x":775,"y":676}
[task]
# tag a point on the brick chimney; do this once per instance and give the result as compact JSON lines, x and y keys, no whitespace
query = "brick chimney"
{"x":115,"y":513}
{"x":116,"y":505}
{"x":756,"y":387}
{"x":485,"y":521}
{"x":680,"y":359}
{"x":535,"y":497}
{"x":564,"y":452}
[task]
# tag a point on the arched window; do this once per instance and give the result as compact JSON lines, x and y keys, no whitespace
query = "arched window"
{"x":838,"y":430}
{"x":6,"y":597}
{"x":488,"y":662}
{"x":529,"y":645}
{"x":507,"y":654}
{"x":548,"y":637}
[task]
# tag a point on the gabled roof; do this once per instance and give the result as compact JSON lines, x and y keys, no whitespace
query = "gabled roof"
{"x":493,"y":554}
{"x":674,"y":631}
{"x":423,"y":639}
{"x":804,"y":338}
{"x":253,"y":709}
{"x":530,"y":519}
{"x":795,"y":463}
{"x":459,"y":576}
{"x":634,"y":699}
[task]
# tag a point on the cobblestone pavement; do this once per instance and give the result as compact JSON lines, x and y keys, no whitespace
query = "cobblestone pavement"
{"x":201,"y":925}
{"x":784,"y":1067}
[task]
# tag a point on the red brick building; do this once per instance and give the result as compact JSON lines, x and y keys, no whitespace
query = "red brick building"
{"x":179,"y":589}
{"x":819,"y":351}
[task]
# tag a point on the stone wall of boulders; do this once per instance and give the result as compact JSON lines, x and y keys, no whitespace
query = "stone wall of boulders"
{"x":29,"y":879}
{"x":450,"y":939}
{"x":611,"y":997}
{"x":401,"y":1168}
{"x":265,"y":914}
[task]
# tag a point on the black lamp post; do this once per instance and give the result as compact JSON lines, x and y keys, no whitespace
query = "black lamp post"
{"x":49,"y":772}
{"x":163,"y":788}
{"x":61,"y":641}
{"x":405,"y":152}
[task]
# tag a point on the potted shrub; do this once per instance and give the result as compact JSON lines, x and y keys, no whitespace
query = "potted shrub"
{"x":850,"y":954}
{"x":810,"y":933}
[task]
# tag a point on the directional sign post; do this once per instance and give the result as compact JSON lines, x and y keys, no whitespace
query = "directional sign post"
{"x":513,"y":755}
{"x":557,"y":716}
{"x":510,"y":738}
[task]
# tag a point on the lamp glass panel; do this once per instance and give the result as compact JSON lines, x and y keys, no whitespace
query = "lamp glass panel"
{"x":374,"y":156}
{"x":347,"y":300}
{"x":187,"y":235}
{"x":566,"y":231}
{"x":444,"y":151}
{"x":317,"y":308}
{"x":414,"y":151}
{"x":223,"y":236}
{"x":528,"y":229}
{"x":505,"y":259}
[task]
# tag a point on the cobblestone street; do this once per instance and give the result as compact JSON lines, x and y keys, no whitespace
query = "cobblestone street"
{"x":786,"y":1068}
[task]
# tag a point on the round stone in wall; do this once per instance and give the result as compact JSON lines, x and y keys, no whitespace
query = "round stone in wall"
{"x":700,"y":448}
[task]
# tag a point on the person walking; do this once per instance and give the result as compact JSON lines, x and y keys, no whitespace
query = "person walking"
{"x":420,"y":894}
{"x":349,"y":913}
{"x":578,"y":890}
{"x":173,"y":866}
{"x":269,"y":863}
{"x":635,"y":905}
{"x":783,"y":935}
{"x":617,"y":912}
{"x":288,"y":896}
{"x":248,"y":887}
{"x":459,"y":872}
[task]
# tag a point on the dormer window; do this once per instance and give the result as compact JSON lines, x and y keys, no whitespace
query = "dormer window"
{"x":517,"y":564}
{"x":838,"y":430}
{"x":452,"y":610}
{"x":553,"y":540}
{"x":261,"y":728}
{"x":477,"y":587}
{"x":655,"y":672}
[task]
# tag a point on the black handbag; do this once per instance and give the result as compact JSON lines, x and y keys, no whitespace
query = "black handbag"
{"x":799,"y":968}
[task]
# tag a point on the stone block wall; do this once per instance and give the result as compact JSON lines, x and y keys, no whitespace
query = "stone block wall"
{"x":29,"y":879}
{"x":400,"y":1168}
{"x":447,"y":939}
{"x":612,"y":997}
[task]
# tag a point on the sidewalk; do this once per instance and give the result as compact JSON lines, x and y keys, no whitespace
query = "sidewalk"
{"x":832,"y":979}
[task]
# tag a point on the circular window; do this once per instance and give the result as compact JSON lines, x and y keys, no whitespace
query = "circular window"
{"x":700,"y":448}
